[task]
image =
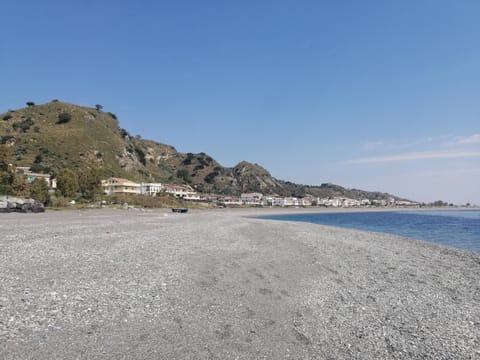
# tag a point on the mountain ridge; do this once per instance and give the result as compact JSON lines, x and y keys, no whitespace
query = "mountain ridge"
{"x":56,"y":135}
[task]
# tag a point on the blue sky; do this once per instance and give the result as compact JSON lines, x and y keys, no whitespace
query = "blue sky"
{"x":377,"y":95}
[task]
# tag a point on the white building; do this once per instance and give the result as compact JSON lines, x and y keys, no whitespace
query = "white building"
{"x":251,"y":198}
{"x":339,"y":202}
{"x":192,"y":196}
{"x":306,"y":201}
{"x":379,"y":202}
{"x":335,"y":202}
{"x":150,"y":189}
{"x":230,"y":200}
{"x":346,"y":202}
{"x":286,"y":201}
{"x":365,"y":202}
{"x":268,"y":200}
{"x":30,"y":176}
{"x":210,"y":197}
{"x":115,"y":185}
{"x":182,"y":191}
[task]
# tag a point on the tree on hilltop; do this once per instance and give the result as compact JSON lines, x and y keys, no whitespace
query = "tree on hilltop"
{"x":98,"y":107}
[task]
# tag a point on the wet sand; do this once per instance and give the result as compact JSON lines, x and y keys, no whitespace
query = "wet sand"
{"x":118,"y":284}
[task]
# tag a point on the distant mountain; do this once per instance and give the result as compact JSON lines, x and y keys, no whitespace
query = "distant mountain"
{"x":59,"y":135}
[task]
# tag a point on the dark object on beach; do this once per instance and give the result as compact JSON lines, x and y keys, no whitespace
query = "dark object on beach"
{"x":13,"y":204}
{"x":180,"y":210}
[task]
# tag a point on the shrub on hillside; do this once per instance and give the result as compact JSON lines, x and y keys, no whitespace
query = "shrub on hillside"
{"x":188,"y":160}
{"x":64,"y":117}
{"x":7,"y":117}
{"x":38,"y":159}
{"x":20,"y":150}
{"x":184,"y":175}
{"x":6,"y":139}
{"x":23,"y":126}
{"x":124,"y":133}
{"x":210,"y":178}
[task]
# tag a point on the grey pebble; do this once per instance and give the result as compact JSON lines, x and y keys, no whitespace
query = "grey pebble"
{"x":123,"y":284}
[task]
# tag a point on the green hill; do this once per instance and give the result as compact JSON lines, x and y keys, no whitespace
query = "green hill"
{"x":58,"y":135}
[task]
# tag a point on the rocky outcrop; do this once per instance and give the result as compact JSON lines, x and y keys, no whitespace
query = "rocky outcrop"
{"x":15,"y":204}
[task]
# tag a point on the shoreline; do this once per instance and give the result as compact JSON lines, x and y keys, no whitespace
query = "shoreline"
{"x":276,"y":210}
{"x":149,"y":284}
{"x":260,"y":212}
{"x":389,"y":222}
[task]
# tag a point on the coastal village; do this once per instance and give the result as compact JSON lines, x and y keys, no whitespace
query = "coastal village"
{"x":118,"y":185}
{"x":115,"y":186}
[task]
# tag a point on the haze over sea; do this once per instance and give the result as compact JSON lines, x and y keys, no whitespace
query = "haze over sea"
{"x":455,"y":228}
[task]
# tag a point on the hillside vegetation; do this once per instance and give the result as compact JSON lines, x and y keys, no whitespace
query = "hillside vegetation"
{"x":59,"y":135}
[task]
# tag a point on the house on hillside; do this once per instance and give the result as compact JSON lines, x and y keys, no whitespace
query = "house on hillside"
{"x":30,"y":176}
{"x":115,"y":185}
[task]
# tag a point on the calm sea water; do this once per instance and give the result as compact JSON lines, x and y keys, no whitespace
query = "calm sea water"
{"x":459,"y":229}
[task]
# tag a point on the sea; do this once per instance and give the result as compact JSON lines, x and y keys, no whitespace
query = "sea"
{"x":454,"y":228}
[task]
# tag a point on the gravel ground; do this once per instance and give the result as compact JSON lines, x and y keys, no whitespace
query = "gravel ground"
{"x":131,"y":284}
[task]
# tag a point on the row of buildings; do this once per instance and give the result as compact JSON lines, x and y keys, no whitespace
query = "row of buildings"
{"x":116,"y":185}
{"x":258,"y":199}
{"x":119,"y":185}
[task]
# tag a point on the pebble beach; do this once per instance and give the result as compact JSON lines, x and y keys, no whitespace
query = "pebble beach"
{"x":221,"y":284}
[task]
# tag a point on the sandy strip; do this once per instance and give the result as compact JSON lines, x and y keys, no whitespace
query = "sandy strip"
{"x":116,"y":284}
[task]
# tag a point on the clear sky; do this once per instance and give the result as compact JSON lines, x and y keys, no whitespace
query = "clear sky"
{"x":378,"y":95}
